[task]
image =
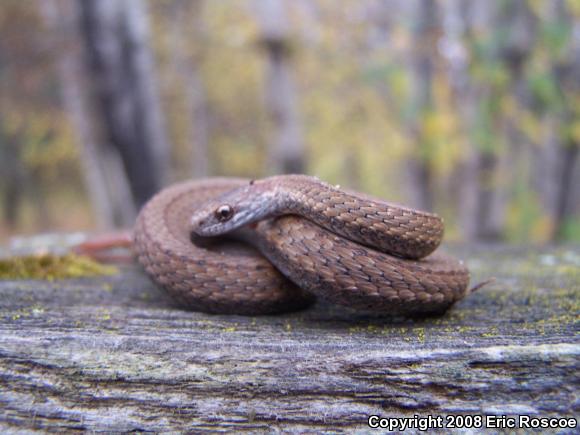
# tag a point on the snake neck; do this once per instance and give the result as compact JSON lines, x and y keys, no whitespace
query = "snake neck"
{"x":389,"y":227}
{"x":279,"y":195}
{"x":288,"y":193}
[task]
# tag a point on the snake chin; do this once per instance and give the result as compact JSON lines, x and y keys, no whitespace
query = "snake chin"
{"x":203,"y":228}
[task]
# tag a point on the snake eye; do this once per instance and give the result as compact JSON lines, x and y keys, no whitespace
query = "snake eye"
{"x":224,"y":213}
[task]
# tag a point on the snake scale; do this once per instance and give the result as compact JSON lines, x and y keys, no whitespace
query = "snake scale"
{"x":289,"y":239}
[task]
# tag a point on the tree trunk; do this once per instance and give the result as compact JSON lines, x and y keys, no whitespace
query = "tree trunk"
{"x":564,"y":149}
{"x":566,"y":192}
{"x":148,"y":114}
{"x":458,"y":19}
{"x":13,"y":178}
{"x":59,"y":17}
{"x":186,"y":15}
{"x":482,"y":175}
{"x":121,"y":70}
{"x":491,"y":199}
{"x":425,"y":37}
{"x":287,"y":147}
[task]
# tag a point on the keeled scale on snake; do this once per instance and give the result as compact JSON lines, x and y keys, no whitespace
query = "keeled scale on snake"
{"x":345,"y":247}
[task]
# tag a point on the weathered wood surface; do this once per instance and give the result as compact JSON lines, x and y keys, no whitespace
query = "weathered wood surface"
{"x":116,"y":354}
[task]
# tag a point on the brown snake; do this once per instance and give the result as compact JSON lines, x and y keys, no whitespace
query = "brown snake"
{"x":347,"y":248}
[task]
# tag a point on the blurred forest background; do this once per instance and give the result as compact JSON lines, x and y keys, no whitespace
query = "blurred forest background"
{"x":467,"y":108}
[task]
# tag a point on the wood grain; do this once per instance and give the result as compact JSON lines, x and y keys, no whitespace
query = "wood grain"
{"x":117,"y":354}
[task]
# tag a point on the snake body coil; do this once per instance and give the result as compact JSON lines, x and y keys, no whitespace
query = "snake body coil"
{"x":345,"y":247}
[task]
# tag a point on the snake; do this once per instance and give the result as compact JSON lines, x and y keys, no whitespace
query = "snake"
{"x":249,"y":247}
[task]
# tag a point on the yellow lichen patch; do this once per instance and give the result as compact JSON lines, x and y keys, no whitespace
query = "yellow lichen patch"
{"x":51,"y":267}
{"x":421,"y":335}
{"x":493,"y":332}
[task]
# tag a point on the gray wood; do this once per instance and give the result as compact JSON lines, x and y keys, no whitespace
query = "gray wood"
{"x":115,"y":353}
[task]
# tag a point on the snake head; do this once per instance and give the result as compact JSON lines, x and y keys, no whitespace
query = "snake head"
{"x":235,"y":209}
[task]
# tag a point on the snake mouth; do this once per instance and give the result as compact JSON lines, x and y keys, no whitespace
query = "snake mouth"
{"x":204,"y":227}
{"x":198,"y":225}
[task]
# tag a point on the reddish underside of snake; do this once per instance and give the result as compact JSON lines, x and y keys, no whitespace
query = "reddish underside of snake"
{"x":292,"y":260}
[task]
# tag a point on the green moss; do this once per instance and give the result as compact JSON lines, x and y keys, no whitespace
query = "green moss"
{"x":51,"y":267}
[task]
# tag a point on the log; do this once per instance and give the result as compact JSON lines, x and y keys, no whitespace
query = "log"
{"x":117,"y":354}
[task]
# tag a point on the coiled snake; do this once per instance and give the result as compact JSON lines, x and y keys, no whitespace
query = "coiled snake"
{"x":347,"y":248}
